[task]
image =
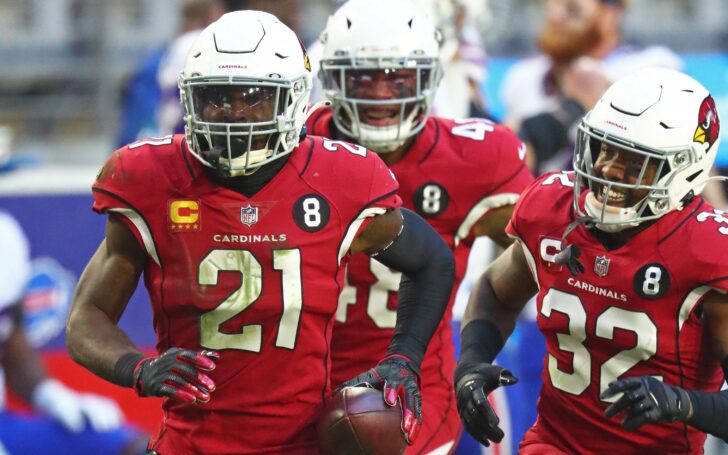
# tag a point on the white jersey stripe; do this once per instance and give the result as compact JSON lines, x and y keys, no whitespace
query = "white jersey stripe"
{"x":143,"y":229}
{"x":354,"y":228}
{"x":480,"y":209}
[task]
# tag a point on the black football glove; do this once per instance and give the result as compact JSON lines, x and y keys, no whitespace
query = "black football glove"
{"x":177,"y":374}
{"x":646,"y":400}
{"x":399,"y":378}
{"x":473,"y":383}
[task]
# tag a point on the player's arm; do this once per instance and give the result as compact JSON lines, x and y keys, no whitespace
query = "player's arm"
{"x":94,"y":340}
{"x":27,"y":377}
{"x":645,"y":399}
{"x":493,"y":308}
{"x":405,"y":242}
{"x":21,"y":364}
{"x":494,"y":225}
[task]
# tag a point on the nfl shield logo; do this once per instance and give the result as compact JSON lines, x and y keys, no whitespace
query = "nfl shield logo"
{"x":601,"y":266}
{"x":249,"y":215}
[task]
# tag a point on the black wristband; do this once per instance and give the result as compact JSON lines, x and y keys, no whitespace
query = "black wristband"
{"x":480,"y":342}
{"x":124,"y":368}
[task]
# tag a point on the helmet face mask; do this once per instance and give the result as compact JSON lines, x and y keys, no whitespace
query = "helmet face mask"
{"x":245,"y":100}
{"x":380,"y":72}
{"x":621,"y":180}
{"x":382,"y":104}
{"x":644,"y":150}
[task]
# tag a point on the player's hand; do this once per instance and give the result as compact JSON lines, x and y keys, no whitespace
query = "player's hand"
{"x":399,"y":378}
{"x":646,"y":400}
{"x":473,"y":383}
{"x":177,"y":374}
{"x":73,"y":410}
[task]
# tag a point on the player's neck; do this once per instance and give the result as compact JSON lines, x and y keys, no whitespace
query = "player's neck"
{"x":249,"y":185}
{"x":614,"y":240}
{"x":396,"y":155}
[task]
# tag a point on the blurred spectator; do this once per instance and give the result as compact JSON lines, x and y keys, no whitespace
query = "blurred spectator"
{"x":463,"y":56}
{"x":64,"y":421}
{"x":145,"y":100}
{"x":582,"y":52}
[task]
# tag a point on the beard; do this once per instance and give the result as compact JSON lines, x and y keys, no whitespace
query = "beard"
{"x":565,"y":45}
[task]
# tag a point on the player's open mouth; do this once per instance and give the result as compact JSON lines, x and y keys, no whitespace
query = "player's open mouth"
{"x":381,"y":117}
{"x":614,"y":196}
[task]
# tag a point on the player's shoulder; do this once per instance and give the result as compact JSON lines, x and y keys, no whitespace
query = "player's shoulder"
{"x":478,"y":139}
{"x":341,"y":162}
{"x":702,"y":228}
{"x":349,"y":175}
{"x":145,"y":160}
{"x":548,"y":199}
{"x":318,"y":122}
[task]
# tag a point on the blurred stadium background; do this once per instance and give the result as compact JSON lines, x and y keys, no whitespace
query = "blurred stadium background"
{"x":64,"y":62}
{"x":64,"y":66}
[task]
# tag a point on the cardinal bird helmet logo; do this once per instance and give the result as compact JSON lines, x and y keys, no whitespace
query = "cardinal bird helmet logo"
{"x":708,"y":123}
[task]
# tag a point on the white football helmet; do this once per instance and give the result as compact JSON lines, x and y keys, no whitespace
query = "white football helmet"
{"x":245,"y":89}
{"x":369,"y":39}
{"x":670,"y":123}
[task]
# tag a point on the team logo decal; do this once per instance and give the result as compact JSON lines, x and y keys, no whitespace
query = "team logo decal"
{"x":311,"y":212}
{"x":601,"y":265}
{"x":652,"y":281}
{"x":708,"y":123}
{"x":306,"y":60}
{"x":184,"y":215}
{"x":249,"y":215}
{"x":431,"y":199}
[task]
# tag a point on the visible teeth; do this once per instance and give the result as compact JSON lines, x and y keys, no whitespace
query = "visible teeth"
{"x":381,"y":115}
{"x":613,"y":195}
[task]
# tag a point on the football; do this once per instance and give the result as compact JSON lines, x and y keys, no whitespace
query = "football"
{"x":357,"y":421}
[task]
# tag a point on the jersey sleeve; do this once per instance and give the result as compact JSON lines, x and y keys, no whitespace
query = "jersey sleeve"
{"x":383,"y":195}
{"x":111,"y":188}
{"x":512,"y":175}
{"x":708,"y":240}
{"x":383,"y":192}
{"x":522,"y":214}
{"x":120,"y":188}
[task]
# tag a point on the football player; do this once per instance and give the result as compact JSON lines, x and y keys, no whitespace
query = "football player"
{"x":380,"y":70}
{"x":241,"y":228}
{"x":629,"y":267}
{"x":63,"y":422}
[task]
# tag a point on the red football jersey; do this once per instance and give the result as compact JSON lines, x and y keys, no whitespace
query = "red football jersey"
{"x":633,"y":312}
{"x":452,"y":175}
{"x":255,"y":278}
